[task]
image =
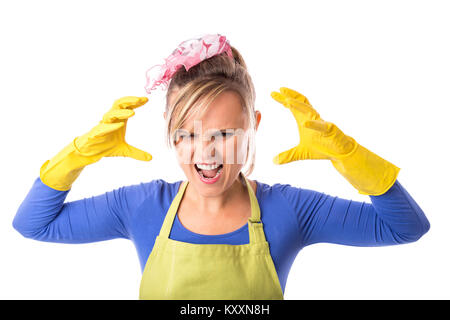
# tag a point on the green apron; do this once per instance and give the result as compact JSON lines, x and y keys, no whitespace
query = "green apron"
{"x":178,"y":270}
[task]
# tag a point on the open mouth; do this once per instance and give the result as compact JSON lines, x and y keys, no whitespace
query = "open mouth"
{"x":209,"y":173}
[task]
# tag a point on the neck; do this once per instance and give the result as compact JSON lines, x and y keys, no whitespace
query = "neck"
{"x":217,"y":205}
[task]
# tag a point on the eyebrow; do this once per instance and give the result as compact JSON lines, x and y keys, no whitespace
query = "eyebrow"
{"x":191,"y":131}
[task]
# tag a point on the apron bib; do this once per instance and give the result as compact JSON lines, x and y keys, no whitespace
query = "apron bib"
{"x":178,"y":270}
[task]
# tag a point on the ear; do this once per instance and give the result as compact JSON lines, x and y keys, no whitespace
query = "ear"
{"x":164,"y":115}
{"x":258,"y":118}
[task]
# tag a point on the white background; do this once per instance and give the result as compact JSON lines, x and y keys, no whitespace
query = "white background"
{"x":379,"y":70}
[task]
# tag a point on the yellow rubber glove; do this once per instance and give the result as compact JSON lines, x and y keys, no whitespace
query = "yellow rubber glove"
{"x":107,"y":139}
{"x":319,"y":139}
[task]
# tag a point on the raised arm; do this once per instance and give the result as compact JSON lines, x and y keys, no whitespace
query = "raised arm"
{"x":392,"y":218}
{"x":43,"y":215}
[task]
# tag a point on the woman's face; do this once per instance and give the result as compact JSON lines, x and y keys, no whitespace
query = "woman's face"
{"x":212,"y":149}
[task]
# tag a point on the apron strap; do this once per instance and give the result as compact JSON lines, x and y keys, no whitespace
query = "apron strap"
{"x":170,"y":216}
{"x":255,"y":225}
{"x":256,"y":213}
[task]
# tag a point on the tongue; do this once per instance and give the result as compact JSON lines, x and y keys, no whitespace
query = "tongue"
{"x":210,"y":173}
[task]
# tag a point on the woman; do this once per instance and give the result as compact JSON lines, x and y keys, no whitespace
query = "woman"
{"x":218,"y":235}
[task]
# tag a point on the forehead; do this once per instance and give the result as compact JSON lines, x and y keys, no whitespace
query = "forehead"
{"x":225,"y":111}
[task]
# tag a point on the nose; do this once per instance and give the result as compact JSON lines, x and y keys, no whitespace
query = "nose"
{"x":205,"y":150}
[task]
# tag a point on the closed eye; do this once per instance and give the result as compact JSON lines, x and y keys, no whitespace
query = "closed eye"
{"x":227,"y":133}
{"x":183,"y":134}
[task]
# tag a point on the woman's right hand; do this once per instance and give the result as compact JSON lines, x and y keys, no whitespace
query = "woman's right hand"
{"x":107,"y":139}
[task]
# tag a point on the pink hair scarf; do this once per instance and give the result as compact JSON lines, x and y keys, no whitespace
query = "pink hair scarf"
{"x":188,"y":54}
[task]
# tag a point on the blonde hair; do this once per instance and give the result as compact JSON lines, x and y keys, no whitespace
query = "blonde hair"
{"x":194,"y":90}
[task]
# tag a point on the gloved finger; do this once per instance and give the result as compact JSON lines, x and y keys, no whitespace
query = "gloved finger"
{"x":324,"y":127}
{"x":286,"y":156}
{"x":117,"y":114}
{"x":104,"y":129}
{"x":286,"y":101}
{"x":294,"y":94}
{"x":127,"y":150}
{"x":129,"y":102}
{"x":279,"y":97}
{"x":306,"y":110}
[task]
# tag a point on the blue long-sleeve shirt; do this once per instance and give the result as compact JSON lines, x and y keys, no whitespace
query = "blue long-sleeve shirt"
{"x":293,"y":218}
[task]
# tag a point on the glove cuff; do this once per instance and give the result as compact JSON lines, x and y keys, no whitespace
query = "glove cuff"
{"x":63,"y":169}
{"x":366,"y":171}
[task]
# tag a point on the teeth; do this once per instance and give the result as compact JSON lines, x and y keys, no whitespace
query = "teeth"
{"x":206,"y":178}
{"x":207,"y":167}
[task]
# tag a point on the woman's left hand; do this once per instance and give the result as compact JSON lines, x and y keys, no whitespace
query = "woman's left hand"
{"x":319,"y":139}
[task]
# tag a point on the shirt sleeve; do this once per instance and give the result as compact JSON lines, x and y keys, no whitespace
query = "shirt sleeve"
{"x":392,"y":218}
{"x":44,"y":216}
